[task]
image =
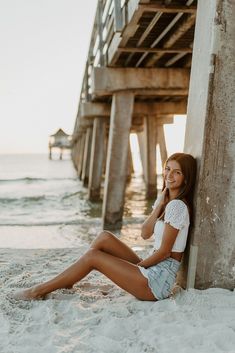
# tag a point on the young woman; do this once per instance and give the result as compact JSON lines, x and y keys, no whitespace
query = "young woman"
{"x":153,"y":277}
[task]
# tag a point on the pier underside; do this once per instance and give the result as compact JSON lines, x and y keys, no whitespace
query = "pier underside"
{"x":147,"y":61}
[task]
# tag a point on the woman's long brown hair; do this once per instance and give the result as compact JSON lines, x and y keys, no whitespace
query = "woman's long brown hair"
{"x":188,"y":167}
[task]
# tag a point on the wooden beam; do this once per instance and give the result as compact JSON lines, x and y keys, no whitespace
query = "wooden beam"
{"x":133,"y":11}
{"x":176,"y":35}
{"x":174,"y":59}
{"x":112,"y":53}
{"x":159,"y":38}
{"x":154,"y":93}
{"x":167,"y":9}
{"x":134,"y":14}
{"x":149,"y":28}
{"x":155,"y":50}
{"x":145,"y":34}
{"x":185,"y":26}
{"x":155,"y":81}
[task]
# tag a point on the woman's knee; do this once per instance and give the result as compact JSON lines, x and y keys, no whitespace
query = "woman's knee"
{"x":105,"y":234}
{"x":101,"y":238}
{"x":93,"y":258}
{"x":90,"y":256}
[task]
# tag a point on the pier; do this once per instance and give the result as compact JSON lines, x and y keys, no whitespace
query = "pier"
{"x":147,"y":61}
{"x":60,"y":140}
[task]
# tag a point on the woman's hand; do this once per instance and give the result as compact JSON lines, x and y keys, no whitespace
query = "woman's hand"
{"x":142,"y":264}
{"x":164,"y":197}
{"x":148,"y":225}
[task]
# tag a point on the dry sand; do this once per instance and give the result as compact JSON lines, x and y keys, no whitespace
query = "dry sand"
{"x":96,"y":316}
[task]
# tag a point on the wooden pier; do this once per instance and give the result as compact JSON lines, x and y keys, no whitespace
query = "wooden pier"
{"x":137,"y":76}
{"x":60,"y":140}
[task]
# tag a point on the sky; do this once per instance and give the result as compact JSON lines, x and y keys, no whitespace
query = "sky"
{"x":174,"y":136}
{"x":44,"y":46}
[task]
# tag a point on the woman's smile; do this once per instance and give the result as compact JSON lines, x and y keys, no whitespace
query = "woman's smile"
{"x":173,"y":176}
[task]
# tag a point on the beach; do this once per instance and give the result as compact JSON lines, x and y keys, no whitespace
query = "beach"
{"x":96,"y":316}
{"x":46,"y":224}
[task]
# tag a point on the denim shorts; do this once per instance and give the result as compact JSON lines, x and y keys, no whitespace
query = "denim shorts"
{"x":161,"y":277}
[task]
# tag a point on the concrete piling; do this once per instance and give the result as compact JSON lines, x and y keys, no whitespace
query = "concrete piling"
{"x":160,"y":137}
{"x":81,"y":154}
{"x":97,"y":158}
{"x":150,"y":151}
{"x":86,"y":156}
{"x":211,"y":108}
{"x":117,"y":158}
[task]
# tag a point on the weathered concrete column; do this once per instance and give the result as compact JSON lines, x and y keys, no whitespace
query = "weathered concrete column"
{"x":130,"y":167}
{"x":86,"y":156}
{"x":81,"y":155}
{"x":210,"y":136}
{"x":162,"y":143}
{"x":106,"y":139}
{"x":141,"y":139}
{"x":97,"y":157}
{"x":150,"y":146}
{"x":75,"y":154}
{"x":116,"y":166}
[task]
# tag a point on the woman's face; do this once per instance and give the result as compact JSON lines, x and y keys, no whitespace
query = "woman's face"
{"x":173,"y":176}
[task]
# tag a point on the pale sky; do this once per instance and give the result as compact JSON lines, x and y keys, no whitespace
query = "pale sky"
{"x":44,"y":46}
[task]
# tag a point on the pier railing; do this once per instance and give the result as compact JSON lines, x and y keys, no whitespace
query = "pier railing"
{"x":111,"y":17}
{"x":138,"y":34}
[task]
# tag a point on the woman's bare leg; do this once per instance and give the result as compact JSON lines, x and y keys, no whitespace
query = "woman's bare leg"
{"x":110,"y":244}
{"x":125,"y":274}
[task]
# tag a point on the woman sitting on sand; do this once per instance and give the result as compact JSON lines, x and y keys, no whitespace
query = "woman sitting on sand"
{"x":153,"y":277}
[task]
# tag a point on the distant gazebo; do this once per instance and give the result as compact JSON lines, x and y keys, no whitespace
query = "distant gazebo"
{"x":59,"y":140}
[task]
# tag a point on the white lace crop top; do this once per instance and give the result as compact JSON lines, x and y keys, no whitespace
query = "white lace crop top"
{"x":177,"y":215}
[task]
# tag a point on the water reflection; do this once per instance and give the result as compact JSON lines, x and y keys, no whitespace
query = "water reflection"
{"x":136,"y":205}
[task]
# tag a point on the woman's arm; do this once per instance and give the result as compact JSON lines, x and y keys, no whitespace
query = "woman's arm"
{"x":169,"y":236}
{"x":148,"y":225}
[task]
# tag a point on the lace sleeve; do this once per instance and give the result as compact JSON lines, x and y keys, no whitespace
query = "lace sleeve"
{"x":176,"y":214}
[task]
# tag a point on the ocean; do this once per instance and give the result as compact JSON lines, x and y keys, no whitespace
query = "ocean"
{"x":44,"y":204}
{"x":37,"y":191}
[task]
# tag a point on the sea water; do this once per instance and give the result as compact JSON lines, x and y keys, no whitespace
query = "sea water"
{"x":44,"y":204}
{"x":37,"y":191}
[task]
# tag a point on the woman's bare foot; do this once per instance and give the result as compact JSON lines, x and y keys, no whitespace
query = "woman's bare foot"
{"x":27,"y":294}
